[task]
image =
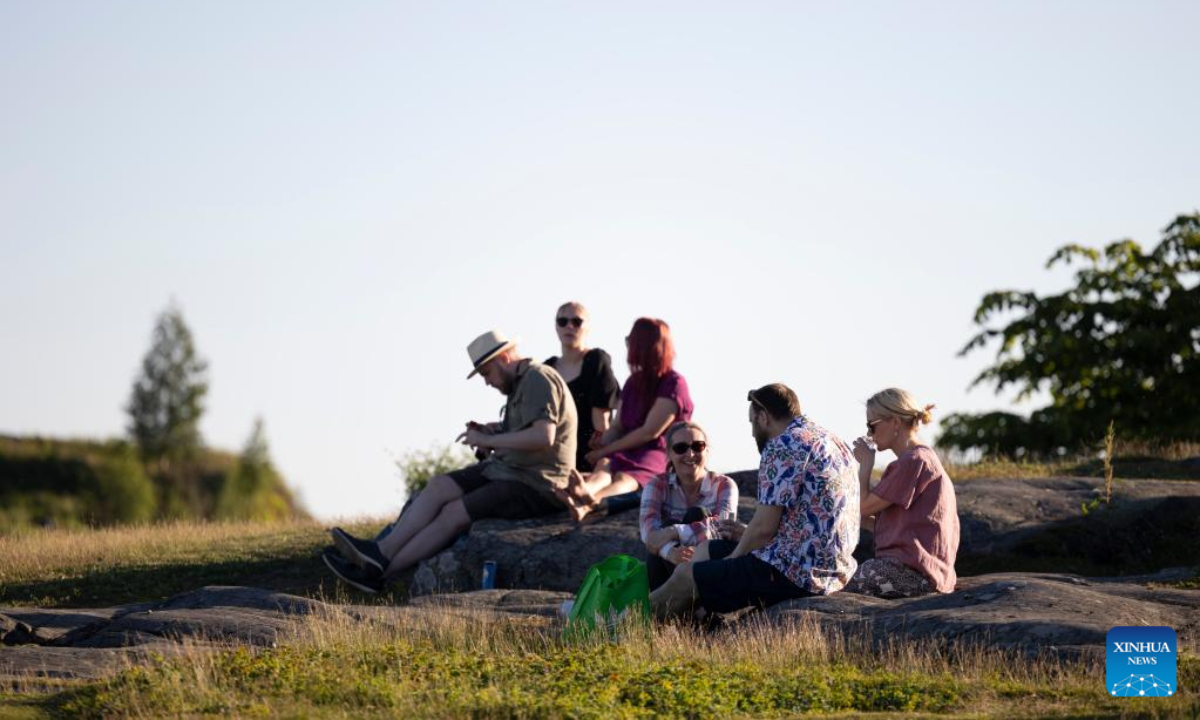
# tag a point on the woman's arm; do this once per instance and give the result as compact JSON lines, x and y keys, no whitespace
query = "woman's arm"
{"x":865,"y":455}
{"x":872,"y":505}
{"x":654,"y":535}
{"x":725,"y":501}
{"x":600,"y":419}
{"x":615,"y":428}
{"x":657,"y":421}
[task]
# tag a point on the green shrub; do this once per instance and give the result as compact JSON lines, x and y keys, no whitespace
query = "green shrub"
{"x":122,"y":492}
{"x":418,"y":467}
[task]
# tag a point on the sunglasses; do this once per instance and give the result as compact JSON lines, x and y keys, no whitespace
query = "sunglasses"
{"x":697,"y":446}
{"x":872,"y":423}
{"x":575,"y":321}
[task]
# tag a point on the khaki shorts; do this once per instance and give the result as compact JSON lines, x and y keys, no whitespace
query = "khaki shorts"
{"x":506,"y":499}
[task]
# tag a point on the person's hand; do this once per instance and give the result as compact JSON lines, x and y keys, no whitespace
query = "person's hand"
{"x":476,"y":436}
{"x":680,"y":554}
{"x":864,"y":452}
{"x":657,"y":538}
{"x":596,"y":441}
{"x":595,"y":456}
{"x":492,"y":428}
{"x":731,"y":529}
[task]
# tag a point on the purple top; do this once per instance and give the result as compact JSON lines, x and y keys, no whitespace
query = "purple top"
{"x":644,"y":462}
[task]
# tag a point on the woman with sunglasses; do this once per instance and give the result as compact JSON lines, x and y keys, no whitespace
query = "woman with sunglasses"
{"x":913,"y":505}
{"x":682,"y":507}
{"x":589,"y":376}
{"x":632,"y":450}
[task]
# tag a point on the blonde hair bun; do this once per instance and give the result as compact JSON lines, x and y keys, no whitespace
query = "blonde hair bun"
{"x":897,"y":402}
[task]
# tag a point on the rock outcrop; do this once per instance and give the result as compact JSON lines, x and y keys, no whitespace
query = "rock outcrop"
{"x":1038,"y":517}
{"x":1033,"y":614}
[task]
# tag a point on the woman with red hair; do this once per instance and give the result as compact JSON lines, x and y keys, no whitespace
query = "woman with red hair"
{"x":632,"y":450}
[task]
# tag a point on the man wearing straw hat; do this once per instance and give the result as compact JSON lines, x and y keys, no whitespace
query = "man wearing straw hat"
{"x":529,"y":453}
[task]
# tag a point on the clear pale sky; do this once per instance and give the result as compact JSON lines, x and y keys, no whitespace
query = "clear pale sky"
{"x":341,"y":196}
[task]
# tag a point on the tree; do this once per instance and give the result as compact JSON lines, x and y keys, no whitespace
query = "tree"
{"x":168,"y":396}
{"x":253,"y":490}
{"x":1122,"y":344}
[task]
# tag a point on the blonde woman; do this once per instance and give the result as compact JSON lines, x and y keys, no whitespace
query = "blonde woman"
{"x":589,"y":376}
{"x":913,"y":505}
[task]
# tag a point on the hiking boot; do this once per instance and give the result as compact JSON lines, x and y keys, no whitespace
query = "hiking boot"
{"x":362,"y":553}
{"x":367,"y":580}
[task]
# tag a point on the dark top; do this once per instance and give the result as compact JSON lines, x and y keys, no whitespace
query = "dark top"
{"x":596,"y":387}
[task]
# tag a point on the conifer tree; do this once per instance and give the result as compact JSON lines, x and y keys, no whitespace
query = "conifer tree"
{"x":167,"y":399}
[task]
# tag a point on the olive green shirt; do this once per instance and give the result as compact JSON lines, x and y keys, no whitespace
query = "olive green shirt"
{"x":539,"y":393}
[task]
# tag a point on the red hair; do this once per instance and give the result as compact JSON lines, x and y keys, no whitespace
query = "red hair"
{"x":651,"y":354}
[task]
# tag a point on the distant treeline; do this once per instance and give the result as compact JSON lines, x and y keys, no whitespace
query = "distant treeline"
{"x":72,"y":483}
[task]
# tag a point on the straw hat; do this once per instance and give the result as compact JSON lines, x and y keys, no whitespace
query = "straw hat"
{"x":485,"y":347}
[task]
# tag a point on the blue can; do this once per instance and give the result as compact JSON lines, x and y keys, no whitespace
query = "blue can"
{"x":489,"y":575}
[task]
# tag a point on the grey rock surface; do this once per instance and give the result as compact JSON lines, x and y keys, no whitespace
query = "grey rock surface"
{"x":997,"y":515}
{"x":554,"y":553}
{"x":105,"y":639}
{"x":1033,"y":614}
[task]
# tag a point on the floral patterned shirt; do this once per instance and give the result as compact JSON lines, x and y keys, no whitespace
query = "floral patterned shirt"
{"x":811,"y":473}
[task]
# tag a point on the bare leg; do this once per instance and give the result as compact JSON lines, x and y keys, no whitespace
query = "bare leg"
{"x":676,"y":596}
{"x":701,"y":553}
{"x":576,"y":496}
{"x":599,"y":477}
{"x":432,"y":539}
{"x":621,"y":483}
{"x":440,"y":491}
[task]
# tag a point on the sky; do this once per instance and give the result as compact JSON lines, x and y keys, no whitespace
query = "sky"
{"x":340,"y":197}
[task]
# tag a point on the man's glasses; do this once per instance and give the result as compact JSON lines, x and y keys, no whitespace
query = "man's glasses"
{"x":872,"y":423}
{"x":575,"y":322}
{"x":696,"y":446}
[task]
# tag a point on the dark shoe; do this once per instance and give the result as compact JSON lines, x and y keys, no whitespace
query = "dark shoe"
{"x":366,"y":579}
{"x":362,"y":553}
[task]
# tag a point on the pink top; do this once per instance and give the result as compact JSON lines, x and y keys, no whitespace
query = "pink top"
{"x":920,"y":529}
{"x":646,"y":461}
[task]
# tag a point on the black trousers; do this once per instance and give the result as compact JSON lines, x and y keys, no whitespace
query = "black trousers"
{"x":658,"y":571}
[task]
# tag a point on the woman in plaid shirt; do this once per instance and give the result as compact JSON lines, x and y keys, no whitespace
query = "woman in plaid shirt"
{"x":681,"y":507}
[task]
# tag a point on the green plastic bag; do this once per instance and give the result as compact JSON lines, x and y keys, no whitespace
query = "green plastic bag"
{"x":612,"y":589}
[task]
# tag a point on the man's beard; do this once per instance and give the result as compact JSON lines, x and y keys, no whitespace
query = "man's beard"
{"x":761,"y":437}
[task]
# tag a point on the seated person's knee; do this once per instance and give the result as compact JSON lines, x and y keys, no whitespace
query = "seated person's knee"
{"x":454,"y":514}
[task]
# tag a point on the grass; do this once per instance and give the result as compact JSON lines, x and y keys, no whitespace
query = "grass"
{"x":1130,"y":460}
{"x":112,"y":566}
{"x":448,"y":665}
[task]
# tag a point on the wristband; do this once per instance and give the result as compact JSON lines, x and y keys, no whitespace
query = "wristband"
{"x":664,"y":552}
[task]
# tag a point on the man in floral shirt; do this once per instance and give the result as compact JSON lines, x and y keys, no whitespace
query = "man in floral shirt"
{"x":800,"y":540}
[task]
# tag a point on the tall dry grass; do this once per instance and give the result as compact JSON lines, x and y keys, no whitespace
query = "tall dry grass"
{"x":43,"y":553}
{"x":438,"y":661}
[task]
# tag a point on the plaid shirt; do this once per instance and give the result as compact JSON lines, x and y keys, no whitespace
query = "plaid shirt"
{"x":664,"y":504}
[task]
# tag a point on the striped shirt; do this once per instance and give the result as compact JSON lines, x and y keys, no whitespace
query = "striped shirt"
{"x":664,"y":504}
